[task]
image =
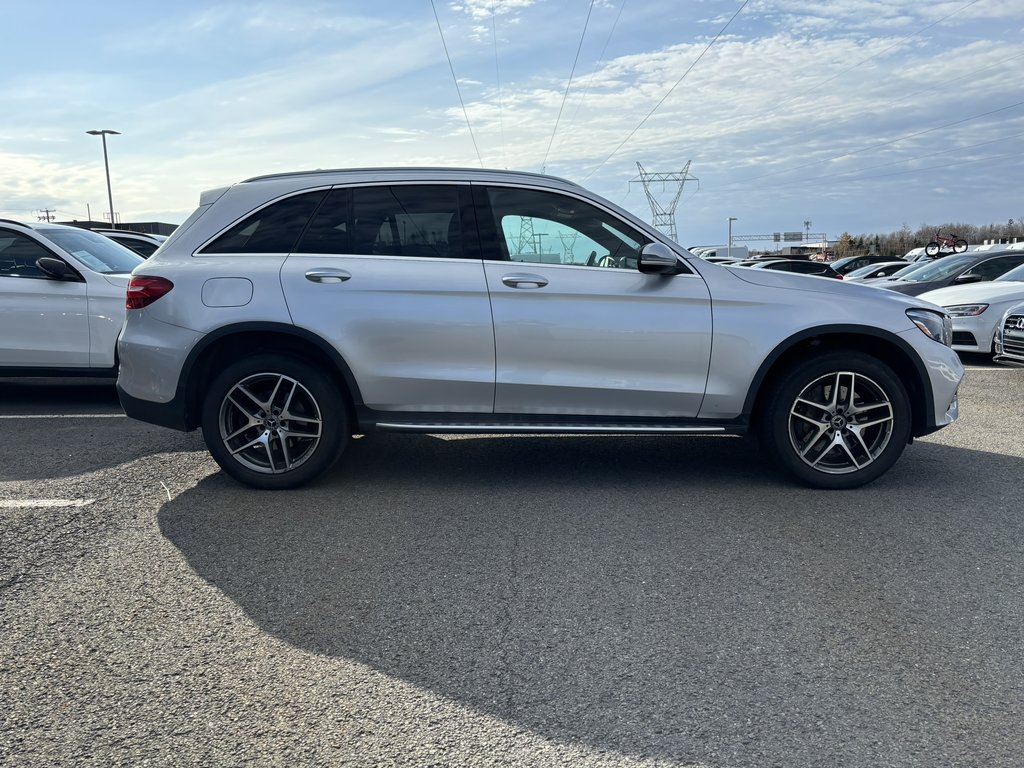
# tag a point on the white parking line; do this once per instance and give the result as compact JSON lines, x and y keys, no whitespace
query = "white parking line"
{"x":43,"y":503}
{"x":63,"y":416}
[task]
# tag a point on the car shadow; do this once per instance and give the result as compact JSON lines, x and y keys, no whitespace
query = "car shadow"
{"x":657,"y":596}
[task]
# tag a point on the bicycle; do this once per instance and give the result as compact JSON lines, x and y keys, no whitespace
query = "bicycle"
{"x":945,"y":243}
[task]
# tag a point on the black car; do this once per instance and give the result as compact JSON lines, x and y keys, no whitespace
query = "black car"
{"x":955,"y":269}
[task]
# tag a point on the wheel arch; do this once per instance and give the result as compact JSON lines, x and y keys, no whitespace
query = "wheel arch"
{"x":883,"y":345}
{"x":234,"y":342}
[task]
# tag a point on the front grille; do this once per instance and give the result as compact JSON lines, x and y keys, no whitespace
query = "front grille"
{"x":1013,"y":335}
{"x":964,"y":339}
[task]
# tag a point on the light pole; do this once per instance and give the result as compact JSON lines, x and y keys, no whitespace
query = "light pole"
{"x":728,"y":251}
{"x":110,"y":198}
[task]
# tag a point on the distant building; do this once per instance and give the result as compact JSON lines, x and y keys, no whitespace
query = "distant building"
{"x":146,"y":227}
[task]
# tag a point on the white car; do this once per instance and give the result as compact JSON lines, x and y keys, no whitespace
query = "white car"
{"x":62,"y":300}
{"x":978,"y":308}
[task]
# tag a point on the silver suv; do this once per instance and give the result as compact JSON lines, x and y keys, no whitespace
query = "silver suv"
{"x":292,"y":311}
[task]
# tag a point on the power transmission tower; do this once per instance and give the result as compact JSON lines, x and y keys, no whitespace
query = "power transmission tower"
{"x":526,"y":237}
{"x":665,"y":215}
{"x":568,"y":241}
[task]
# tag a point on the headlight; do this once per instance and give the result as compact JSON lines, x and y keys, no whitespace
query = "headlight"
{"x":966,"y":310}
{"x":937,"y":325}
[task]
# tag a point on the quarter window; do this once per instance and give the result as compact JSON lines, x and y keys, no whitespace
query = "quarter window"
{"x":273,"y":229}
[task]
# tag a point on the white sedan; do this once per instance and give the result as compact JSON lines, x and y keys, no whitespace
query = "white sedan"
{"x":62,"y":300}
{"x":977,"y":308}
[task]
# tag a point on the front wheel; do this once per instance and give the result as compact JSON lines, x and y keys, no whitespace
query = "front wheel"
{"x":932,"y":249}
{"x":274,"y":422}
{"x":836,"y":421}
{"x":959,"y":245}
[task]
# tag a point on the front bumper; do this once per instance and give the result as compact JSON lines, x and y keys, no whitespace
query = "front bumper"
{"x":973,"y":334}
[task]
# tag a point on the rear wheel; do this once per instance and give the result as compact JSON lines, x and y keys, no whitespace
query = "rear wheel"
{"x":932,"y":249}
{"x":274,"y":422}
{"x":959,"y":245}
{"x":837,"y":421}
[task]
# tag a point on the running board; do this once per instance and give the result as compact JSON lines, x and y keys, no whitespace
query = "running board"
{"x":561,"y":428}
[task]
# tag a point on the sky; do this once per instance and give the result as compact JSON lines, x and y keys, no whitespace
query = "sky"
{"x":853,"y":115}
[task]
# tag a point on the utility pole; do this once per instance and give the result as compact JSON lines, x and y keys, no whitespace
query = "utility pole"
{"x":47,"y":215}
{"x":664,"y":217}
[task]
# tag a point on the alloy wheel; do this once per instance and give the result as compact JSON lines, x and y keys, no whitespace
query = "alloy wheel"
{"x":270,"y":423}
{"x":841,"y":422}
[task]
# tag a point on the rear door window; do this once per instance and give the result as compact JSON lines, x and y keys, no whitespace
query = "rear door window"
{"x":423,"y":221}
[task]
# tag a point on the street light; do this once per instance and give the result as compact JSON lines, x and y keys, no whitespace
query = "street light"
{"x":103,"y":135}
{"x":728,"y":251}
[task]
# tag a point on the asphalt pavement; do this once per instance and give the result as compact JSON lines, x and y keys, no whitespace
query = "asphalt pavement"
{"x":507,"y":601}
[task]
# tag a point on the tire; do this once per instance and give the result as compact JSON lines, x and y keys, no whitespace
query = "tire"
{"x":932,"y":249}
{"x":274,"y":422}
{"x":809,"y":424}
{"x":959,"y":245}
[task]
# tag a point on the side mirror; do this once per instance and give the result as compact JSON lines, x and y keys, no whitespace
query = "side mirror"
{"x":969,"y":278}
{"x":658,"y":259}
{"x":55,"y":268}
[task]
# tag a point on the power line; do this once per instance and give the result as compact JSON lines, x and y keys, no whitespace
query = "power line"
{"x":669,"y":93}
{"x":497,"y":75}
{"x":600,"y":61}
{"x":456,"y":80}
{"x":568,"y":85}
{"x":880,"y":144}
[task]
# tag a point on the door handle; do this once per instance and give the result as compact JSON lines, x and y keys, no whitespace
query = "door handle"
{"x":524,"y":280}
{"x":327,"y":275}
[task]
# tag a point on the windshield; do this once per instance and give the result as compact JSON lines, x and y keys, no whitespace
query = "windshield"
{"x":1015,"y":275}
{"x":98,"y":253}
{"x":939,"y":269}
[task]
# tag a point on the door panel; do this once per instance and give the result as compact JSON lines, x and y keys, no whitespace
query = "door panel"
{"x":594,"y":341}
{"x":45,"y":323}
{"x":415,"y":332}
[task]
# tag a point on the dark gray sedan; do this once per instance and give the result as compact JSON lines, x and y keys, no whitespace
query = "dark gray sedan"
{"x":956,"y":269}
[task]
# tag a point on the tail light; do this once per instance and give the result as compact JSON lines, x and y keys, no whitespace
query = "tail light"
{"x":144,"y":290}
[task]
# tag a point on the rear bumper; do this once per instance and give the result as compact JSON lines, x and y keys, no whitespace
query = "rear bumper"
{"x":170,"y":414}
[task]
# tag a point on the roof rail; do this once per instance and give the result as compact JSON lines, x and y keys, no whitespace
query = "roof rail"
{"x":12,"y":221}
{"x":399,"y":169}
